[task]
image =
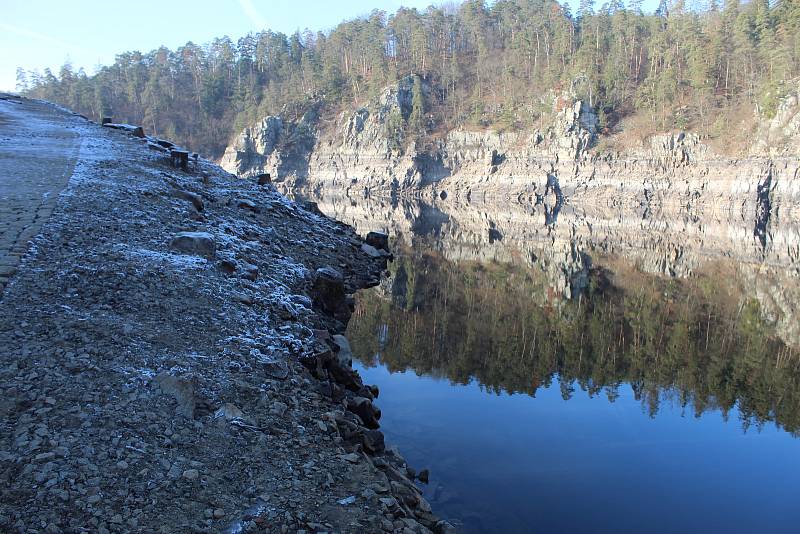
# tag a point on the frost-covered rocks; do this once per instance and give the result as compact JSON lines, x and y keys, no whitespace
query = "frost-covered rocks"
{"x":144,"y":396}
{"x":195,"y":243}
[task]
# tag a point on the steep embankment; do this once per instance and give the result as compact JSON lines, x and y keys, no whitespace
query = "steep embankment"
{"x":673,"y":171}
{"x":170,"y":358}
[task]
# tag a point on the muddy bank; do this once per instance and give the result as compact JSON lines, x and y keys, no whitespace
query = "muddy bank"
{"x":171,"y":359}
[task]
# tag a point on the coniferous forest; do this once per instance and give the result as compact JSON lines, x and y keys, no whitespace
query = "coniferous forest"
{"x":704,"y":67}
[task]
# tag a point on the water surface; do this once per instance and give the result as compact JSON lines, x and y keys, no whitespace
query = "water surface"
{"x":559,"y":380}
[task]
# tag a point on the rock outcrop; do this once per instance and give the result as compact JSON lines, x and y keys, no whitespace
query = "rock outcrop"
{"x":712,"y":206}
{"x":780,"y":136}
{"x":274,"y":145}
{"x":364,"y":151}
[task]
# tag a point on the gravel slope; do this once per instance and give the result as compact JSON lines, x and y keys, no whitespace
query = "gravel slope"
{"x":147,"y":389}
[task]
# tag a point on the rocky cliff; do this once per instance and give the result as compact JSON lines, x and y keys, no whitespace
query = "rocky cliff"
{"x":366,"y":150}
{"x":669,"y":203}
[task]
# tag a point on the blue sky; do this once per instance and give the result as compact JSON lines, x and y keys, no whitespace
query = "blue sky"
{"x":35,"y":34}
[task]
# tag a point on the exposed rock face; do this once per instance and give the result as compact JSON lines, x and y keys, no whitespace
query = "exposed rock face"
{"x":365,"y":152}
{"x":712,"y":205}
{"x":781,"y":135}
{"x":274,"y":146}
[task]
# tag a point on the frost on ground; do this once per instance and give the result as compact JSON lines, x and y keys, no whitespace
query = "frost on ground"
{"x":118,"y":349}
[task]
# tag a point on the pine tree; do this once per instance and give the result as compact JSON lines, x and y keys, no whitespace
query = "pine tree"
{"x":417,"y":117}
{"x":22,"y":80}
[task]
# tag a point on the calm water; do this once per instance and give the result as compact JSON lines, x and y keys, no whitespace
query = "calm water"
{"x":552,"y":384}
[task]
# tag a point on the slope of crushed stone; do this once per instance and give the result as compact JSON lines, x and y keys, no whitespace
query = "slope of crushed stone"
{"x":147,"y":390}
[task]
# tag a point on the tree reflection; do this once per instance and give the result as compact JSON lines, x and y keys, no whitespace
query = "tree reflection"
{"x":700,"y":343}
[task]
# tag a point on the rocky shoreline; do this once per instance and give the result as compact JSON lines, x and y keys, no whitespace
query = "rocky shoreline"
{"x":173,"y":357}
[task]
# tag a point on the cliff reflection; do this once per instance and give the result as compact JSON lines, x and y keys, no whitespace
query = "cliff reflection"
{"x":698,"y":342}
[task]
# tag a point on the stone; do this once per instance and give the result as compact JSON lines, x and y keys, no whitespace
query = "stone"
{"x":247,"y":205}
{"x":164,"y":143}
{"x":230,"y":412}
{"x":136,"y":131}
{"x":264,"y":179}
{"x":219,"y":513}
{"x":243,"y":298}
{"x":352,"y":457}
{"x":227,"y":266}
{"x":195,"y":199}
{"x":278,"y":408}
{"x":365,"y":410}
{"x":179,"y":158}
{"x":444,"y":527}
{"x":194,"y":243}
{"x":423,"y":476}
{"x":181,"y":389}
{"x":343,"y":375}
{"x":371,"y":251}
{"x":328,"y":293}
{"x":373,"y":441}
{"x":379,"y":240}
{"x":191,"y":474}
{"x":345,"y":354}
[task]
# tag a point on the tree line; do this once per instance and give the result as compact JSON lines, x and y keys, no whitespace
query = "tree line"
{"x":492,"y":65}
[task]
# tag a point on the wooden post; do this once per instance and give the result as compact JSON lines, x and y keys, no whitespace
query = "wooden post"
{"x":180,"y":158}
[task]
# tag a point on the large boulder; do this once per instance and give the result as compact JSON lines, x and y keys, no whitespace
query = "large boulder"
{"x":365,"y":410}
{"x":328,"y":293}
{"x":194,"y":243}
{"x":378,"y":240}
{"x":345,"y":354}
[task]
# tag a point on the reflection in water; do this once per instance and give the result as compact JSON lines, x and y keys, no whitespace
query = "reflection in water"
{"x":602,"y":371}
{"x":686,"y":341}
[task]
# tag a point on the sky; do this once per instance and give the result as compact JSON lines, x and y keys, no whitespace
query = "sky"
{"x":35,"y":34}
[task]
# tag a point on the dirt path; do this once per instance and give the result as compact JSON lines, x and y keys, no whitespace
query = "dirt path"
{"x":38,"y":151}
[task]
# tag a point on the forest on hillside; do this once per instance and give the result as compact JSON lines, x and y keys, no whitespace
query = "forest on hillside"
{"x":492,"y":64}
